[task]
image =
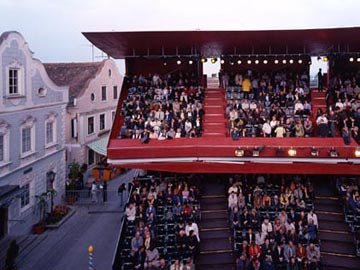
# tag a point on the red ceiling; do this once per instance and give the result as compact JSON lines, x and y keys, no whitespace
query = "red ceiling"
{"x":216,"y":43}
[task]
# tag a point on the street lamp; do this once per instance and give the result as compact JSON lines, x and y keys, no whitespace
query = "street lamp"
{"x":50,"y":177}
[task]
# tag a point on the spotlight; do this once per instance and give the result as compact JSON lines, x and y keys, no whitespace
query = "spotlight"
{"x":203,"y":60}
{"x":291,"y":61}
{"x":178,"y":62}
{"x":265,"y":61}
{"x":357,"y":152}
{"x":276,"y":61}
{"x":191,"y":62}
{"x":239,"y":152}
{"x":314,"y":152}
{"x":213,"y":60}
{"x":325,"y":59}
{"x":292,"y":152}
{"x":256,"y":61}
{"x":249,"y":61}
{"x":257,"y":150}
{"x":309,"y":62}
{"x":222,"y":61}
{"x":351,"y":59}
{"x":358,"y":59}
{"x":165,"y":63}
{"x":300,"y":61}
{"x":284,"y":61}
{"x":231,"y":62}
{"x":333,"y":152}
{"x":239,"y":62}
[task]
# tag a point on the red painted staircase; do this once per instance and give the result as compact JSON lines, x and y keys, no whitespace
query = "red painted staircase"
{"x":318,"y":101}
{"x":214,"y":123}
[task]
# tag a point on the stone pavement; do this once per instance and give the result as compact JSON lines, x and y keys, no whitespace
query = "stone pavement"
{"x":93,"y":224}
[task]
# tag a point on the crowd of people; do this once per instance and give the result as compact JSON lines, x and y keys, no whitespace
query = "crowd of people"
{"x":163,"y":107}
{"x":274,"y":226}
{"x":343,"y":103}
{"x":161,"y":225}
{"x":269,"y":105}
{"x":349,"y":191}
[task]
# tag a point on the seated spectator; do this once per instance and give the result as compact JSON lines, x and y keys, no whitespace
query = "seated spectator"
{"x":136,"y":243}
{"x":152,"y":257}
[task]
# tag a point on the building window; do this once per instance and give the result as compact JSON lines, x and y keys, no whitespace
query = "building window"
{"x":74,"y":128}
{"x":109,"y":72}
{"x":4,"y":142}
{"x":91,"y":157}
{"x":25,"y":195}
{"x":102,"y":121}
{"x":115,"y":92}
{"x":92,"y":96}
{"x":49,"y":133}
{"x":2,"y":148}
{"x":113,"y":115}
{"x":28,"y":136}
{"x":13,"y":81}
{"x":26,"y":140}
{"x":103,"y":93}
{"x":91,"y":125}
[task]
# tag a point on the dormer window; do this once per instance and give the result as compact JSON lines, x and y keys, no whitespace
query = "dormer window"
{"x":15,"y":80}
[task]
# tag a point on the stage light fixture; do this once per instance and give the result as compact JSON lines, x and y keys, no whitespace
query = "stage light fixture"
{"x":325,"y":59}
{"x":203,"y":60}
{"x":291,"y":61}
{"x":358,"y":59}
{"x":265,"y":61}
{"x":284,"y":61}
{"x":249,"y":62}
{"x":333,"y":153}
{"x":213,"y":60}
{"x":191,"y":62}
{"x":276,"y":61}
{"x":239,"y":62}
{"x":239,"y":152}
{"x":292,"y":152}
{"x":357,"y":152}
{"x":351,"y":59}
{"x":178,"y":62}
{"x":309,"y":63}
{"x":257,"y":150}
{"x":300,"y":61}
{"x":256,"y":61}
{"x":231,"y":62}
{"x":222,"y":61}
{"x":314,"y":152}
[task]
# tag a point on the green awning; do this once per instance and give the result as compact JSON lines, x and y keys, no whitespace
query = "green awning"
{"x":100,"y":145}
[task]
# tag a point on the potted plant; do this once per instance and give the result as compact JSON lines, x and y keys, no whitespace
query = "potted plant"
{"x":39,"y":227}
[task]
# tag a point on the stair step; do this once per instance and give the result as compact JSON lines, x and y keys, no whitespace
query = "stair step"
{"x":214,"y":215}
{"x":208,"y":245}
{"x":220,"y":258}
{"x":215,"y":234}
{"x":228,"y":266}
{"x":214,"y":223}
{"x":339,"y":262}
{"x":333,"y":225}
{"x":330,"y":236}
{"x":338,"y":247}
{"x":206,"y":200}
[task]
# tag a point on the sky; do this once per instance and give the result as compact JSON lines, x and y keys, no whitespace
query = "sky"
{"x":53,"y":28}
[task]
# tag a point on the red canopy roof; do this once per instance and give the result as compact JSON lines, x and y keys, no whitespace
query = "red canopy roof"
{"x":216,"y":43}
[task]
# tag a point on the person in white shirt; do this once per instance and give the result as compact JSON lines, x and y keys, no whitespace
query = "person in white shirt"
{"x":266,"y":227}
{"x":266,"y":128}
{"x":130,"y":212}
{"x":313,"y":216}
{"x":234,"y":188}
{"x":232,"y":200}
{"x":192,"y":226}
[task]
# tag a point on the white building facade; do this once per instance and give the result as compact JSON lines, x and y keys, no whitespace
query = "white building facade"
{"x":32,"y":135}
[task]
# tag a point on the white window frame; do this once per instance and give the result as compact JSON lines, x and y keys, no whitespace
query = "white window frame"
{"x":28,"y":123}
{"x":5,"y":132}
{"x":88,"y":157}
{"x":100,"y":127}
{"x":51,"y":119}
{"x":93,"y":117}
{"x":117,"y":92}
{"x":20,"y":80}
{"x":25,"y":206}
{"x":106,"y":94}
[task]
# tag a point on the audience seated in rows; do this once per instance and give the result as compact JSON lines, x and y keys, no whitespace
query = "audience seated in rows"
{"x":163,"y":107}
{"x":274,"y":226}
{"x":268,"y":105}
{"x":161,"y":225}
